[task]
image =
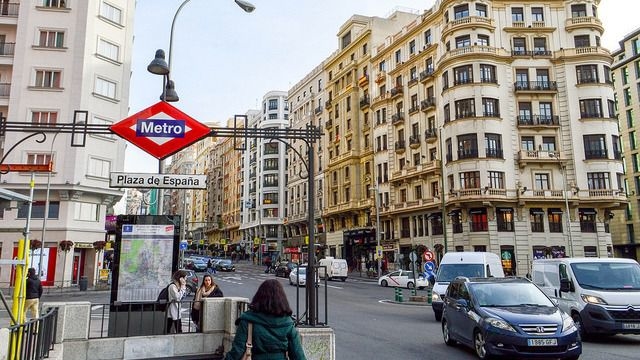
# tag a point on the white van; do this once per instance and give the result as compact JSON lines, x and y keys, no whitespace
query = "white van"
{"x":468,"y":264}
{"x":602,"y":295}
{"x":335,"y":268}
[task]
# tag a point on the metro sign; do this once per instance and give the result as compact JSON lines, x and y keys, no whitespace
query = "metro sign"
{"x":161,"y":130}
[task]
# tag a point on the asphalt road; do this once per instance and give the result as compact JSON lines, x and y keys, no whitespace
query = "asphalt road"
{"x":366,"y":324}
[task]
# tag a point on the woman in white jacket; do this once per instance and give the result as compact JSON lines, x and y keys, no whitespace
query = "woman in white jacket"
{"x":177,"y":291}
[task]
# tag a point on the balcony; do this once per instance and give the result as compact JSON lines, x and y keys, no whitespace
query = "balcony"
{"x":414,"y":141}
{"x":529,"y":53}
{"x":329,"y":124}
{"x":470,"y":22}
{"x":431,"y":135}
{"x":473,"y":52}
{"x":425,"y":74}
{"x":381,"y":77}
{"x":363,"y":81}
{"x":318,"y":110}
{"x":591,"y":115}
{"x":397,"y":91}
{"x":468,"y":154}
{"x":539,"y":156}
{"x":413,"y":81}
{"x":5,"y":89}
{"x":535,"y":86}
{"x":327,"y":104}
{"x":584,"y":22}
{"x":560,"y":55}
{"x":414,"y":109}
{"x":428,"y":103}
{"x":397,"y":118}
{"x":494,"y":153}
{"x":400,"y":146}
{"x":538,"y":120}
{"x":596,"y":154}
{"x":365,"y":101}
{"x":11,"y":10}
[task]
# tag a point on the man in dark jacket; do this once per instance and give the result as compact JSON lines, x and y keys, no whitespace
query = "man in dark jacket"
{"x":33,"y":294}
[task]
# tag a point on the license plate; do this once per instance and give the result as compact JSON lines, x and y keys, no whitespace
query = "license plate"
{"x":542,"y":342}
{"x":631,"y":326}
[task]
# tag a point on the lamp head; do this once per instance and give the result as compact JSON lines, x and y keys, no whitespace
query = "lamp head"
{"x":245,"y":5}
{"x":170,"y":94}
{"x":158,"y":65}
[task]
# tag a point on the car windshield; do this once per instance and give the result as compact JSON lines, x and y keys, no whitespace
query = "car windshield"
{"x":225,"y":262}
{"x":508,"y":294}
{"x":607,"y":275}
{"x":448,"y":272}
{"x":302,"y":271}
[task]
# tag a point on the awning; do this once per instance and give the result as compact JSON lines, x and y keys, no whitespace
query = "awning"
{"x":505,"y":209}
{"x":555,"y":211}
{"x":434,"y":215}
{"x":587,"y":211}
{"x":477,"y":211}
{"x":536,"y":211}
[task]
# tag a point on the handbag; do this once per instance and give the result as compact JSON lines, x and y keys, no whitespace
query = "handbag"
{"x":249,"y":344}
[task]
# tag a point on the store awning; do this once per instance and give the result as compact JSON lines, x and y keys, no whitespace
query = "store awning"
{"x":555,"y":211}
{"x":587,"y":211}
{"x":536,"y":211}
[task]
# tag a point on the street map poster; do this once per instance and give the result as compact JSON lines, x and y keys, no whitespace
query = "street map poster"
{"x":144,"y":257}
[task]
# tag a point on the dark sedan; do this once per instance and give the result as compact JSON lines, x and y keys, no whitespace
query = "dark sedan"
{"x":225,"y":265}
{"x":284,"y":269}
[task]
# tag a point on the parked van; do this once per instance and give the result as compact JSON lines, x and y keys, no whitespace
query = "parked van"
{"x":467,"y":264}
{"x":335,"y":268}
{"x":602,"y":295}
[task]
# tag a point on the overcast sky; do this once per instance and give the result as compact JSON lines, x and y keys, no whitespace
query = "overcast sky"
{"x":224,"y":60}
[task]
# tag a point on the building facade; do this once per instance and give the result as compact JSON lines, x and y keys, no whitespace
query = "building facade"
{"x":626,"y":71}
{"x":58,"y":59}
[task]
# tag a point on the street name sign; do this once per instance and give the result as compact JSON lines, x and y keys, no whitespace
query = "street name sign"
{"x":157,"y":181}
{"x":161,"y":130}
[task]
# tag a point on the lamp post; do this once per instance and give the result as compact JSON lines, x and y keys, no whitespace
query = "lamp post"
{"x":566,"y":204}
{"x":377,"y":205}
{"x":159,"y":66}
{"x":443,"y":203}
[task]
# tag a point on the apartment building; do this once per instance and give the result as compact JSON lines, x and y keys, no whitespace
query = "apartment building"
{"x":493,"y":101}
{"x":59,"y":57}
{"x":306,"y":108}
{"x":181,"y":201}
{"x":626,"y":75}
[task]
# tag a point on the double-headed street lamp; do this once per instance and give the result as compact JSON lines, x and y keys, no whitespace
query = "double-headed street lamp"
{"x":160,"y":66}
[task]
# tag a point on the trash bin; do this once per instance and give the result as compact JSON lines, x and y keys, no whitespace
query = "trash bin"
{"x":83,"y":283}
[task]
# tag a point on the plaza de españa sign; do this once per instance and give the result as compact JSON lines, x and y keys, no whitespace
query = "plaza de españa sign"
{"x":161,"y":130}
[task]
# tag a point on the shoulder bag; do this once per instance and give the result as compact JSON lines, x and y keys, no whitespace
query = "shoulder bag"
{"x":249,"y":344}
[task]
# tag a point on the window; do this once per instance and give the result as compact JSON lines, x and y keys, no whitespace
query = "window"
{"x":111,"y":13}
{"x":587,"y":74}
{"x":496,"y":180}
{"x":105,"y":88}
{"x":55,"y":3}
{"x":519,"y":46}
{"x":504,"y":217}
{"x":398,"y":56}
{"x":48,"y":79}
{"x":463,"y":75}
{"x":541,"y":181}
{"x":86,"y":212}
{"x":412,"y":47}
{"x":587,"y":220}
{"x":427,"y":37}
{"x":581,"y":41}
{"x":595,"y":146}
{"x":273,"y":104}
{"x":44,"y":117}
{"x":490,"y":107}
{"x":527,"y":143}
{"x":522,"y":79}
{"x":463,"y":41}
{"x":555,"y":220}
{"x":37,"y":210}
{"x":417,"y":192}
{"x":493,"y":145}
{"x":488,"y":74}
{"x":537,"y":14}
{"x":465,"y":108}
{"x":591,"y":108}
{"x":517,"y":15}
{"x":461,"y":11}
{"x":445,"y":80}
{"x":38,"y":158}
{"x":108,"y":50}
{"x":598,"y":180}
{"x":578,"y":10}
{"x":481,"y":10}
{"x":617,"y":147}
{"x":51,"y":39}
{"x":345,"y":40}
{"x":470,"y":180}
{"x":456,"y":221}
{"x":436,"y":224}
{"x":540,"y":47}
{"x":548,"y":143}
{"x":536,"y":217}
{"x":447,"y":113}
{"x":478,"y":218}
{"x":467,"y":146}
{"x":99,"y":167}
{"x":545,"y":113}
{"x":483,"y":40}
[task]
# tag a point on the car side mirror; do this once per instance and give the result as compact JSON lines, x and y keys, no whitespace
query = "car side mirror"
{"x":566,"y":285}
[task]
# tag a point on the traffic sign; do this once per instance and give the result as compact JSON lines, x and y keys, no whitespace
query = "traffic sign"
{"x":161,"y":130}
{"x":413,"y":256}
{"x":429,"y":266}
{"x":428,"y":255}
{"x":183,"y":245}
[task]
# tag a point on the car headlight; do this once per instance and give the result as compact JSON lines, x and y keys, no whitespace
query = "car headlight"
{"x":567,"y":323}
{"x":435,"y":298}
{"x":500,"y":324}
{"x":592,"y":299}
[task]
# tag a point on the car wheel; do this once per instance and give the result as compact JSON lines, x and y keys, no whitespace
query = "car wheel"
{"x":384,"y":283}
{"x":480,"y":345}
{"x":578,"y":321}
{"x":410,"y":285}
{"x":290,"y":282}
{"x":343,"y":279}
{"x":438,"y":315}
{"x":445,"y":334}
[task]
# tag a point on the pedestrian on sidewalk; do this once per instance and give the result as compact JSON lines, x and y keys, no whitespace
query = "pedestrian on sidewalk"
{"x":177,"y":291}
{"x":208,"y":289}
{"x":33,"y":294}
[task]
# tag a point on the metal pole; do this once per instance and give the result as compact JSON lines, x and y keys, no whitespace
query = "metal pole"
{"x":443,"y":203}
{"x":566,"y":204}
{"x":377,"y":204}
{"x":311,"y":269}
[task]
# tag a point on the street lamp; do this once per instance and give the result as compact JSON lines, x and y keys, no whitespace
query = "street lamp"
{"x":443,"y":203}
{"x":159,"y":66}
{"x":377,"y":205}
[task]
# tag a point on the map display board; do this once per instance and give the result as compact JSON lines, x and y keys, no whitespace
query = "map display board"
{"x":145,"y":258}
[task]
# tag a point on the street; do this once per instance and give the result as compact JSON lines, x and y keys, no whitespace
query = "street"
{"x":364,"y":319}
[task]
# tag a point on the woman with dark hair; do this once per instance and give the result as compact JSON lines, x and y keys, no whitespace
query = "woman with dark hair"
{"x":177,"y":291}
{"x":274,"y":335}
{"x":208,"y":289}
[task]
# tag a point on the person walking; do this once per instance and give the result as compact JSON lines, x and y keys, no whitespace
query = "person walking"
{"x":177,"y":291}
{"x":274,"y":335}
{"x":208,"y":289}
{"x":33,"y":294}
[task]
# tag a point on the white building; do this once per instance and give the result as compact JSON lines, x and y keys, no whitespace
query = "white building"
{"x":59,"y":57}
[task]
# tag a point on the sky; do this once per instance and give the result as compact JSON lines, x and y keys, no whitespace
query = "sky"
{"x":224,"y":60}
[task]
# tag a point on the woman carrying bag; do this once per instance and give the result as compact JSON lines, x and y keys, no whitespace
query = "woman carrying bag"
{"x":274,"y":335}
{"x":207,"y":289}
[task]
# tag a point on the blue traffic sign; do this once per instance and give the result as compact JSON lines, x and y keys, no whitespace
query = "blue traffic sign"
{"x":429,"y":266}
{"x":183,"y":245}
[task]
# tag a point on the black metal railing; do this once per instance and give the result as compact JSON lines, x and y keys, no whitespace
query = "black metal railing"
{"x":536,"y":85}
{"x":34,"y":339}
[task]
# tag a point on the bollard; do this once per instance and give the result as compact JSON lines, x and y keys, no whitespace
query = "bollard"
{"x":399,"y":297}
{"x":397,"y":293}
{"x":429,"y":294}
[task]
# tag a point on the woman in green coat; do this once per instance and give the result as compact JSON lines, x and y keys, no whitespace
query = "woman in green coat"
{"x":274,"y":335}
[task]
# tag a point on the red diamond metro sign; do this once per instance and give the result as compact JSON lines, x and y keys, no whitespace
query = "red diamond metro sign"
{"x":161,"y":130}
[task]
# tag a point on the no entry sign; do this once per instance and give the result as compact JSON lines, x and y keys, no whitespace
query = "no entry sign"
{"x":161,"y":130}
